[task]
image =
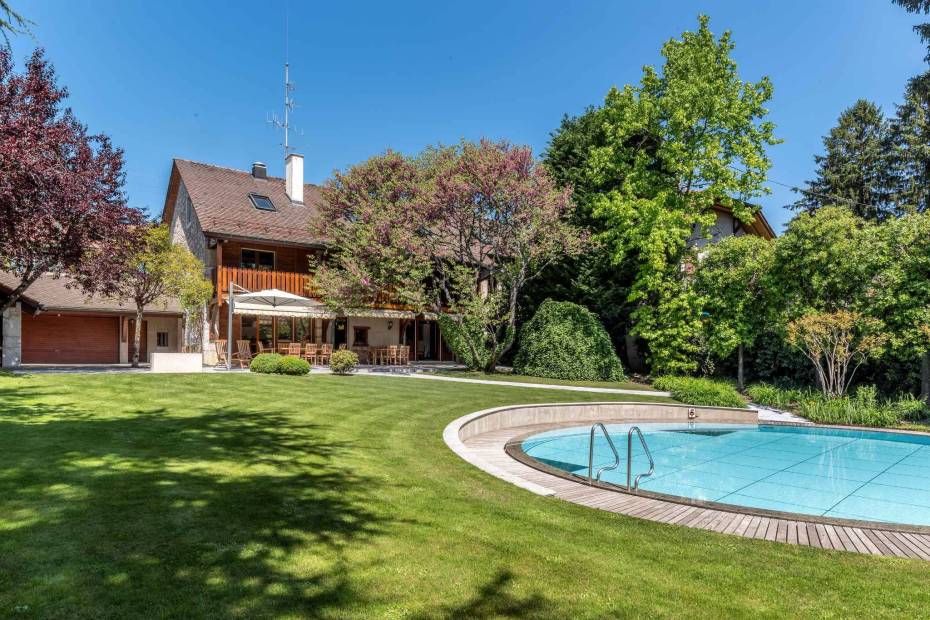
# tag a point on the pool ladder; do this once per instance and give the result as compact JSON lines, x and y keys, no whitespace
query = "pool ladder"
{"x":629,"y":457}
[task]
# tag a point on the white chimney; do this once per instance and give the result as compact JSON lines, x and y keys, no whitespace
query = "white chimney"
{"x":294,"y":177}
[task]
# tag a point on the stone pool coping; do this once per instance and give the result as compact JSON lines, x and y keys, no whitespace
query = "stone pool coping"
{"x":482,"y":439}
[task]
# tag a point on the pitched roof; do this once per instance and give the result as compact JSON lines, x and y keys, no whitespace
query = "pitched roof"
{"x":759,"y":226}
{"x":63,"y":295}
{"x":221,"y":201}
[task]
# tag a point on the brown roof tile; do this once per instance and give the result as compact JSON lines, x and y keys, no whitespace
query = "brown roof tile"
{"x":221,"y":200}
{"x":54,"y":294}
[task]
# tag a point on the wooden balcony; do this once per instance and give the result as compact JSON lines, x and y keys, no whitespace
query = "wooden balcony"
{"x":257,"y":280}
{"x":288,"y":281}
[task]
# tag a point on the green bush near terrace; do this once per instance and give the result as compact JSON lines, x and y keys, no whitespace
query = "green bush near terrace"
{"x":266,"y":363}
{"x":276,"y":364}
{"x":292,"y":365}
{"x":698,"y":391}
{"x":343,"y":362}
{"x":566,"y":341}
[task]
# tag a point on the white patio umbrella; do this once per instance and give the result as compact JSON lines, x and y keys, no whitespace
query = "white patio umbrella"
{"x":272,"y":301}
{"x":276,"y":298}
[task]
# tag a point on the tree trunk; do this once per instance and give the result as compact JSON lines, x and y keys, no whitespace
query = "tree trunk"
{"x":739,"y":367}
{"x":925,"y":377}
{"x":17,"y":293}
{"x":137,"y":337}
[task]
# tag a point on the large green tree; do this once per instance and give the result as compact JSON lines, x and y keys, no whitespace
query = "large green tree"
{"x":594,"y":278}
{"x":911,"y":136}
{"x":709,"y":136}
{"x":856,"y":169}
{"x":900,"y":293}
{"x":824,"y":261}
{"x":732,"y":277}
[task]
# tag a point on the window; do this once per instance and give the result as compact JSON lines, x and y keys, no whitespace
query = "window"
{"x":303,"y":330}
{"x":257,"y":259}
{"x":262,"y":203}
{"x":258,"y":329}
{"x":360,"y":336}
{"x":161,"y":339}
{"x":285,"y":329}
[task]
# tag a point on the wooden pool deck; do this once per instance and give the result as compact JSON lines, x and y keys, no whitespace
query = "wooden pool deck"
{"x":487,"y":451}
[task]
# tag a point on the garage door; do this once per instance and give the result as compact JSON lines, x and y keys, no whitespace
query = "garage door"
{"x":52,"y":339}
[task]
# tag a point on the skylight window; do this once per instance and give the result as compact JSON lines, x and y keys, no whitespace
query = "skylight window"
{"x":262,"y":203}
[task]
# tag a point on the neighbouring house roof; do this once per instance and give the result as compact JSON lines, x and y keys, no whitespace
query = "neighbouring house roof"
{"x":759,"y":227}
{"x":51,"y":294}
{"x":220,"y":197}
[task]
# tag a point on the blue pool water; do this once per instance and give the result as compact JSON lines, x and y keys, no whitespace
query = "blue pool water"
{"x":863,"y":475}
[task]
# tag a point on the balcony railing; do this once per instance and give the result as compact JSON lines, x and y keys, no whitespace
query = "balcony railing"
{"x":257,"y":280}
{"x":289,"y":281}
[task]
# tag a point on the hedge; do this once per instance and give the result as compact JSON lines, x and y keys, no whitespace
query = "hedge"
{"x":697,"y":391}
{"x":275,"y":364}
{"x":566,"y":341}
{"x":266,"y":363}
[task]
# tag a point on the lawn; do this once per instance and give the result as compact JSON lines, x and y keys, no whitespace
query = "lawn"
{"x":209,"y":496}
{"x":503,"y":376}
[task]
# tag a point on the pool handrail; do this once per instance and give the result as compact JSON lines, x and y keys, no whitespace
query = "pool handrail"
{"x":629,"y":458}
{"x":591,"y":453}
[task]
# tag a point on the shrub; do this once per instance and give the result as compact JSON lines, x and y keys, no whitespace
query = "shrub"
{"x":781,"y":398}
{"x":457,"y":336}
{"x":695,"y":391}
{"x":566,"y":341}
{"x":863,"y":409}
{"x":343,"y":362}
{"x":267,"y":363}
{"x":291,"y":365}
{"x":909,"y":408}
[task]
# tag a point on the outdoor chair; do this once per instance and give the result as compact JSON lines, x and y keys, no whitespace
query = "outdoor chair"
{"x":263,"y":349}
{"x":393,"y":354}
{"x":293,"y":349}
{"x":404,"y":355}
{"x":245,"y":353}
{"x":310,"y":354}
{"x":221,"y":353}
{"x":326,"y":352}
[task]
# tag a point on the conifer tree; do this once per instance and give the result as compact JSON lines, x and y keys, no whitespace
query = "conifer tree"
{"x":856,"y":169}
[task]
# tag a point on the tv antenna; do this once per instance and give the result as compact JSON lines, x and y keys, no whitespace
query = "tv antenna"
{"x":289,"y":104}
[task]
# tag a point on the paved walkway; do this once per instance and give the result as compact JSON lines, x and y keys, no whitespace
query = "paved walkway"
{"x":542,"y":386}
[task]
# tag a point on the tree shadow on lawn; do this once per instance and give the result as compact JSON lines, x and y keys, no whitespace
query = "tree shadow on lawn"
{"x":494,"y":600}
{"x":226,"y":513}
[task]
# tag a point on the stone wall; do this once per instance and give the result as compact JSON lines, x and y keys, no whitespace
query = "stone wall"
{"x":12,"y":337}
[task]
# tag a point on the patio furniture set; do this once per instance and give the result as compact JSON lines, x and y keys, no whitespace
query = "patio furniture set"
{"x":315,"y":354}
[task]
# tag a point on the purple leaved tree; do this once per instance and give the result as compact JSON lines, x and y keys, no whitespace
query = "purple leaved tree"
{"x":62,"y":208}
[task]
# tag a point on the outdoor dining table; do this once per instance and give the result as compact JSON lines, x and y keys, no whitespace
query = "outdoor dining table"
{"x":379,"y":355}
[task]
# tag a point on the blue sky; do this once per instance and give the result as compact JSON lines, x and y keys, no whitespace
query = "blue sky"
{"x":197,"y":80}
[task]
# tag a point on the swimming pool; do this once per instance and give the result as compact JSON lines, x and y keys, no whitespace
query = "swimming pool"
{"x":838,"y":473}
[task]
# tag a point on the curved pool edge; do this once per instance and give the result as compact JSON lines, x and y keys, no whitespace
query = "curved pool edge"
{"x":481,"y":438}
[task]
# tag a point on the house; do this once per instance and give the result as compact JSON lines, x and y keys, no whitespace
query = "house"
{"x":253,"y":230}
{"x":726,"y":225}
{"x":56,"y":323}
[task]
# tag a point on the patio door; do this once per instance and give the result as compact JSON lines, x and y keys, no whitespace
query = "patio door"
{"x":342,"y":333}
